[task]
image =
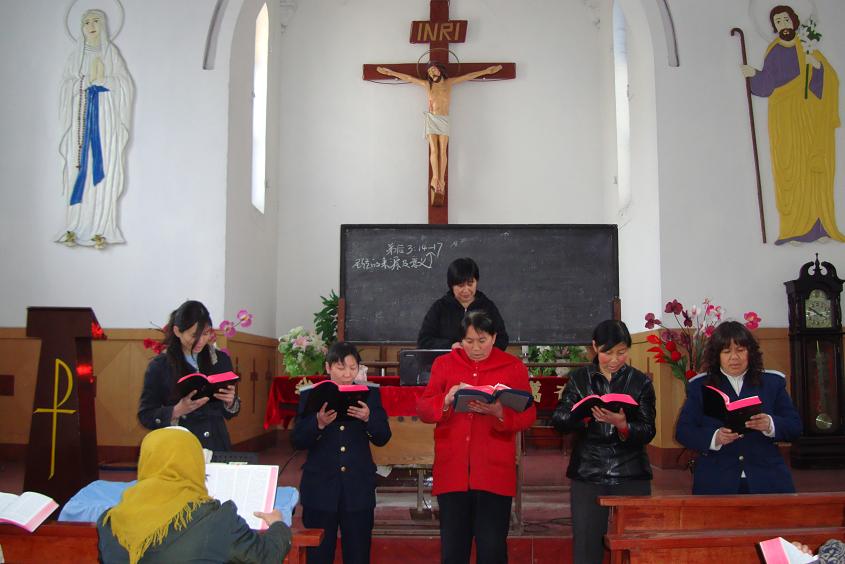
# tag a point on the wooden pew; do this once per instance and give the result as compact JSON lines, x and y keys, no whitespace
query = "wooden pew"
{"x":707,"y":529}
{"x":65,"y":543}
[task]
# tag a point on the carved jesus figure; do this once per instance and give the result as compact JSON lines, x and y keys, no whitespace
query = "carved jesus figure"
{"x":438,"y":84}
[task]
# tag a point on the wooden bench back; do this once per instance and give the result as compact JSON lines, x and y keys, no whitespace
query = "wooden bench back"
{"x":61,"y":543}
{"x":708,"y":529}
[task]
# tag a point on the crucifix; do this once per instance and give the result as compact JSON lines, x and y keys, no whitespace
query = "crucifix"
{"x":438,"y":76}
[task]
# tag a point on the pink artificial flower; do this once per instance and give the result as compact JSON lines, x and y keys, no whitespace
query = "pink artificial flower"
{"x":245,"y":318}
{"x":228,"y":328}
{"x":752,"y":320}
{"x":651,"y":321}
{"x":709,"y":330}
{"x":694,"y":311}
{"x":300,"y":342}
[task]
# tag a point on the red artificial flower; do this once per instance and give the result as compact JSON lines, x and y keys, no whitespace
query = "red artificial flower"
{"x":653,"y":339}
{"x":689,"y":374}
{"x":676,"y":356}
{"x":655,"y":350}
{"x":752,"y":320}
{"x":675,"y":307}
{"x":687,"y":319}
{"x":671,"y":346}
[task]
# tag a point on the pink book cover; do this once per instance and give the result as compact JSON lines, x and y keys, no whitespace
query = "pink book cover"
{"x":345,"y":387}
{"x":779,"y":551}
{"x":213,"y":378}
{"x":607,"y":398}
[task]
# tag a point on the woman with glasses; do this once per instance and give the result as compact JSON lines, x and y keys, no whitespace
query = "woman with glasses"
{"x":746,"y":462}
{"x":188,"y":338}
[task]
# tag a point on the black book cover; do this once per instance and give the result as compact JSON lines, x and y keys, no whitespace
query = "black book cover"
{"x":517,"y":400}
{"x":611,"y":402}
{"x":206,"y":386}
{"x":717,"y":405}
{"x":338,"y":398}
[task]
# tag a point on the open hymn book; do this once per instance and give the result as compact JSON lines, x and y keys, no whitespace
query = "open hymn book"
{"x":251,"y":486}
{"x":27,"y":510}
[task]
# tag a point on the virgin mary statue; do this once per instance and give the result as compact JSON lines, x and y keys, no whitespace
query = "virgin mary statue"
{"x":96,"y":105}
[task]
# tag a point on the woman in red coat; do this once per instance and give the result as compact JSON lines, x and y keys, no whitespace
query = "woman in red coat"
{"x":474,"y":451}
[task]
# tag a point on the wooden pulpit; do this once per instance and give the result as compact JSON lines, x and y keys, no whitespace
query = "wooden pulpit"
{"x":61,"y":456}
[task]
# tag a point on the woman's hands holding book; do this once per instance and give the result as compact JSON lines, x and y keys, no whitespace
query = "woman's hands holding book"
{"x":495,"y":409}
{"x":226,"y":395}
{"x":725,"y":436}
{"x":617,"y":419}
{"x":188,"y":405}
{"x":362,"y":413}
{"x":324,"y":417}
{"x":450,"y":395}
{"x":761,"y":422}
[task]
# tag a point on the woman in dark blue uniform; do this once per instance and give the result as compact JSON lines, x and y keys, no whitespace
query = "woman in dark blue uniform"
{"x":339,"y":477}
{"x":188,"y":336}
{"x":732,"y":463}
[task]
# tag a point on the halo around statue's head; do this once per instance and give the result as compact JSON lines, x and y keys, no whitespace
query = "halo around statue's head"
{"x":112,"y":8}
{"x":758,"y":13}
{"x":419,"y":61}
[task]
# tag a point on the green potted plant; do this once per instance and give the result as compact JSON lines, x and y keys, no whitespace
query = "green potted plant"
{"x":325,"y":320}
{"x":554,"y":353}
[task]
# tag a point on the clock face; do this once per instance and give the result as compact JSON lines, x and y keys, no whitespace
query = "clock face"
{"x":818,"y":312}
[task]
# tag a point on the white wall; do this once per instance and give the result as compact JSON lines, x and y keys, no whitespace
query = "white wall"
{"x":639,"y":223}
{"x":710,"y":242}
{"x":173,"y":210}
{"x":251,"y":237}
{"x":535,"y":149}
{"x":528,"y":150}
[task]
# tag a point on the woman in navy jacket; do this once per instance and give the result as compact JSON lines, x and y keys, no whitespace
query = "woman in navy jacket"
{"x":732,"y":463}
{"x":339,"y":477}
{"x":188,"y":337}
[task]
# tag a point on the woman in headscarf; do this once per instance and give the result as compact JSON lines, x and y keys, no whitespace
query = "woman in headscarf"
{"x":96,"y":105}
{"x":168,"y":515}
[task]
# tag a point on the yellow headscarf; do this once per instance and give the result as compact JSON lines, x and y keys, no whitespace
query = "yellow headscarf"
{"x":171,"y":484}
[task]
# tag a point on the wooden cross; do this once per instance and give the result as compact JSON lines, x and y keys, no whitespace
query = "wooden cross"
{"x":439,"y":32}
{"x":253,"y":376}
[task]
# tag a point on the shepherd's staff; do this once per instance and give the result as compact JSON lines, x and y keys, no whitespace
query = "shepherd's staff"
{"x":734,"y":31}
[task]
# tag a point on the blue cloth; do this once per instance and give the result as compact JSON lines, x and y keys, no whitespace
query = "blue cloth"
{"x":91,"y":501}
{"x":718,"y":472}
{"x":90,"y":140}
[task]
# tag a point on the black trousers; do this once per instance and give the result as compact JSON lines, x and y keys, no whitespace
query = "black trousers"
{"x":475,"y":514}
{"x":356,"y":533}
{"x":589,"y":519}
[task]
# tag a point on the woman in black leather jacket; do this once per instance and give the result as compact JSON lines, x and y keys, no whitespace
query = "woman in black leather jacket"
{"x":609,"y":455}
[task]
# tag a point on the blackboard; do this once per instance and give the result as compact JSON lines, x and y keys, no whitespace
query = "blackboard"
{"x":552,"y":283}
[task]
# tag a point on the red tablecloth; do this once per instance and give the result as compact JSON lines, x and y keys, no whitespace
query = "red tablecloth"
{"x":397,"y":400}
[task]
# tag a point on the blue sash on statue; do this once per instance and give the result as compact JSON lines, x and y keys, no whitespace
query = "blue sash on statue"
{"x":90,"y":140}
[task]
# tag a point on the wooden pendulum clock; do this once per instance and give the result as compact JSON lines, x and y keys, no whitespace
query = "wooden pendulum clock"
{"x":815,"y":342}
